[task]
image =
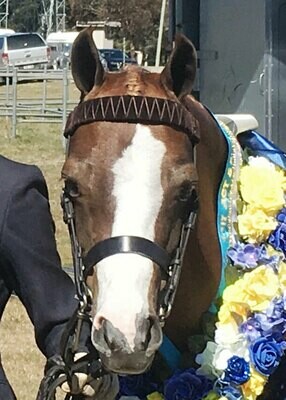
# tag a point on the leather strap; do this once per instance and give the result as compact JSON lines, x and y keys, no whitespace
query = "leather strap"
{"x":134,"y":109}
{"x":127,"y":244}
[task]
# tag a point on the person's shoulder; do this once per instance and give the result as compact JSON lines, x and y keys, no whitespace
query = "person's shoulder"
{"x":12,"y":172}
{"x":17,"y":181}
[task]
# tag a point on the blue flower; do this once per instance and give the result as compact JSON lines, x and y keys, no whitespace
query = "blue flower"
{"x":281,"y":216}
{"x":276,"y":309}
{"x":186,"y":385}
{"x":270,"y":326}
{"x":137,"y":385}
{"x":273,"y":321}
{"x":251,"y":329}
{"x":237,"y":371}
{"x":244,"y":255}
{"x":228,"y":390}
{"x":270,"y":323}
{"x":265,"y":354}
{"x":248,"y":256}
{"x":277,"y":238}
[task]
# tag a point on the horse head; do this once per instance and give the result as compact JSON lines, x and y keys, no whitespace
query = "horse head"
{"x":131,"y":175}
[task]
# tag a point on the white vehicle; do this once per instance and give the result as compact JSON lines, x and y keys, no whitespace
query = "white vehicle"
{"x":6,"y":31}
{"x":25,"y":50}
{"x":60,"y":44}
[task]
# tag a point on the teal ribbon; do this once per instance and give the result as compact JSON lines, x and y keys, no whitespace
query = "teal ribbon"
{"x":170,"y":353}
{"x":226,"y":201}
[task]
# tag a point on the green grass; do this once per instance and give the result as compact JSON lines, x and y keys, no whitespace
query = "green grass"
{"x":23,"y":362}
{"x":21,"y":358}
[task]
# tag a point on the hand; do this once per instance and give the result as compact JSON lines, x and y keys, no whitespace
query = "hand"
{"x":105,"y":387}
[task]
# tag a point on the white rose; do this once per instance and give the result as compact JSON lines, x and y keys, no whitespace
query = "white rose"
{"x":227,"y":334}
{"x":260,"y":162}
{"x":205,"y":360}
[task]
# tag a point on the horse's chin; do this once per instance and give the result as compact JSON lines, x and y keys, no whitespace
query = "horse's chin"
{"x":130,"y":364}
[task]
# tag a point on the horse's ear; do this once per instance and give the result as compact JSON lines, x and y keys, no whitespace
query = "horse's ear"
{"x":180,"y":71}
{"x":86,"y":66}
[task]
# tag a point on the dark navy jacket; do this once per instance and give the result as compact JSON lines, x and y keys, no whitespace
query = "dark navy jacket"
{"x":29,"y":262}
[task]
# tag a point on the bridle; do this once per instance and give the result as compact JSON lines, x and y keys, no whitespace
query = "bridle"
{"x":131,"y":109}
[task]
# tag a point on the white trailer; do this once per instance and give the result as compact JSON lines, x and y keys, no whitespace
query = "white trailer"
{"x":60,"y":44}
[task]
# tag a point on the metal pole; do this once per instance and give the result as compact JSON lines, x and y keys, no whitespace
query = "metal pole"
{"x":50,"y":17}
{"x":44,"y":102}
{"x":160,"y":34}
{"x":60,"y":15}
{"x":124,"y":49}
{"x":7,"y":86}
{"x":7,"y":14}
{"x":14,"y":106}
{"x":65,"y":101}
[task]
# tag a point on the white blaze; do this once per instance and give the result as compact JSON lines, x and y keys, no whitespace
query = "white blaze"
{"x":124,"y":279}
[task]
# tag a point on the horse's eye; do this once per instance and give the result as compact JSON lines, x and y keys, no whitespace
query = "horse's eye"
{"x":71,"y":188}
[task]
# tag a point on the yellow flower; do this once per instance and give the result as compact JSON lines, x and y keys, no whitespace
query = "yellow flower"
{"x":155,"y":396}
{"x":255,"y":225}
{"x":262,"y":184}
{"x":233,"y":312}
{"x":273,"y":252}
{"x":211,"y":396}
{"x":254,"y":386}
{"x":261,"y":286}
{"x":235,"y":293}
{"x":254,"y":290}
{"x":282,"y":275}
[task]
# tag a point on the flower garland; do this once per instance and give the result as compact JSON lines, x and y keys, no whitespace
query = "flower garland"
{"x":249,"y":335}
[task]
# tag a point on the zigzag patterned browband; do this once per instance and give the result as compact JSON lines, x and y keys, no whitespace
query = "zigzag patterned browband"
{"x":134,"y":109}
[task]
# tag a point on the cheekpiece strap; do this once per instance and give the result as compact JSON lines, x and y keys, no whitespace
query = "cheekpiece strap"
{"x":133,"y":109}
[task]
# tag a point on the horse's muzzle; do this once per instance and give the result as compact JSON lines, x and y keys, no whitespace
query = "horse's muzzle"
{"x":117,"y":355}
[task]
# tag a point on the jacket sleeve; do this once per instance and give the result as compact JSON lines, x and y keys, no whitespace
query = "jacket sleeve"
{"x":30,"y":263}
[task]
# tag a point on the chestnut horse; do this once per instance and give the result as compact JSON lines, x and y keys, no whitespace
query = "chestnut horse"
{"x":131,"y":171}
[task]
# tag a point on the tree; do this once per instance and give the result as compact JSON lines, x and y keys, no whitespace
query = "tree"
{"x":84,"y":10}
{"x":139,"y":21}
{"x":25,"y":15}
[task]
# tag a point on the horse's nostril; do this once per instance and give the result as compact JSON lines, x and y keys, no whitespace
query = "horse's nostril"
{"x":151,"y":321}
{"x":144,"y":332}
{"x":109,"y":339}
{"x":155,"y":336}
{"x":98,"y":321}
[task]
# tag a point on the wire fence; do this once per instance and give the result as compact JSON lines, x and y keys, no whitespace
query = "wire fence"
{"x":41,"y":109}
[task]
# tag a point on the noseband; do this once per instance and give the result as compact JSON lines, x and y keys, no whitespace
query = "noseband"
{"x":130,"y":109}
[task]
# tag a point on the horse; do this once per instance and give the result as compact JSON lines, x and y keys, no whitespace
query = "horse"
{"x":141,"y":151}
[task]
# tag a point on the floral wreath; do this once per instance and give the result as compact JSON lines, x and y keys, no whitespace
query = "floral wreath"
{"x":249,"y":334}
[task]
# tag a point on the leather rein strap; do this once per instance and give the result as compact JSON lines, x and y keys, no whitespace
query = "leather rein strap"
{"x":133,"y":109}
